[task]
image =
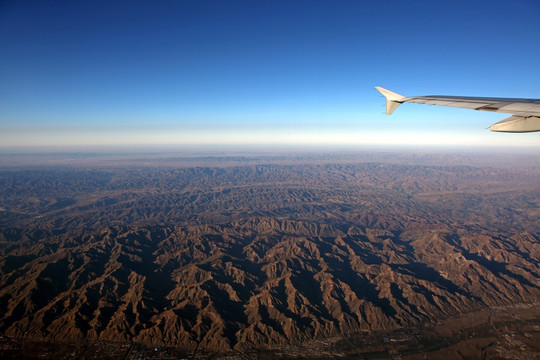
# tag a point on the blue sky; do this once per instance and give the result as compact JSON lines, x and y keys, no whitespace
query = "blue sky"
{"x":260,"y":72}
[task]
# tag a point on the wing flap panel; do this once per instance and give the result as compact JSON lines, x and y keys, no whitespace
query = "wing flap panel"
{"x":520,"y":107}
{"x":450,"y":103}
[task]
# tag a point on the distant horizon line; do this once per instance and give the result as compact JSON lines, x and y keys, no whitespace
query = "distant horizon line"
{"x":324,"y":147}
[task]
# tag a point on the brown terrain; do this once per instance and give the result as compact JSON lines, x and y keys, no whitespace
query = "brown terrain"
{"x":345,"y":255}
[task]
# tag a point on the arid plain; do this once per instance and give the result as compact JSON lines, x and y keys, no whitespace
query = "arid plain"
{"x":264,"y":255}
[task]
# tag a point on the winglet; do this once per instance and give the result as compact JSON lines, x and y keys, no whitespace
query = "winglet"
{"x":393,"y":100}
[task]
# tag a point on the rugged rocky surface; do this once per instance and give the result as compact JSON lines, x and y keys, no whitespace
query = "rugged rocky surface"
{"x":261,"y":255}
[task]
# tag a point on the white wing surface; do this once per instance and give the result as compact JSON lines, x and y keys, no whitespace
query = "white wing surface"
{"x":525,"y":112}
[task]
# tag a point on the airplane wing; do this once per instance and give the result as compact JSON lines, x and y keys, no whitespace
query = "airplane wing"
{"x":525,"y":112}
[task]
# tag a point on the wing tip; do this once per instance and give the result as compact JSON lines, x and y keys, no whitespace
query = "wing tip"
{"x":393,"y":99}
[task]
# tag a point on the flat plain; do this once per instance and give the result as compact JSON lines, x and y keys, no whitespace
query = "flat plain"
{"x":265,"y":255}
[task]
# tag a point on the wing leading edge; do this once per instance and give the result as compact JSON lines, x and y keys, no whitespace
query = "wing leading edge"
{"x":525,"y":112}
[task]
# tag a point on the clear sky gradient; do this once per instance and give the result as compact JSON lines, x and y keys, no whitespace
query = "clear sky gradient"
{"x":260,"y":72}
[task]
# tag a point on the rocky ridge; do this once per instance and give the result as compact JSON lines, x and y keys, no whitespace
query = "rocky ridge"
{"x":259,"y":256}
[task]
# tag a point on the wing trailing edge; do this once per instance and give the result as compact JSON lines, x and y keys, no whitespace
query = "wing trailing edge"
{"x":526,"y":112}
